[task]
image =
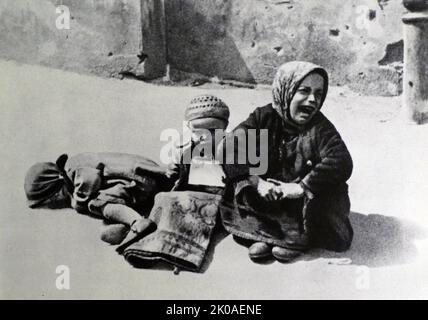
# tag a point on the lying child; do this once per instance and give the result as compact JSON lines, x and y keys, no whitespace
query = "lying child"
{"x":114,"y":186}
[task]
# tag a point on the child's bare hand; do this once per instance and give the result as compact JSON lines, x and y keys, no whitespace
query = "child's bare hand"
{"x":267,"y":190}
{"x":287,"y":190}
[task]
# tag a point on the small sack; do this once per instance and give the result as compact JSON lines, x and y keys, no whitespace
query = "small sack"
{"x":185,"y":223}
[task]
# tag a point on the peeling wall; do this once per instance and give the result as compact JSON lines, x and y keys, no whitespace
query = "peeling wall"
{"x":248,"y":40}
{"x":358,"y":41}
{"x":104,"y":36}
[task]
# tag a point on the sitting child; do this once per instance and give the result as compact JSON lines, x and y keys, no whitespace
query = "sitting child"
{"x":116,"y":187}
{"x":194,"y":164}
{"x":187,"y":215}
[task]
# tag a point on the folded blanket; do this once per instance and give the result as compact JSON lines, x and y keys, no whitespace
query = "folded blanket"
{"x":185,"y":223}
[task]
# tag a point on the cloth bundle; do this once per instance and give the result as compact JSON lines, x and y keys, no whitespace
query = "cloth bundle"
{"x":249,"y":216}
{"x":185,"y":223}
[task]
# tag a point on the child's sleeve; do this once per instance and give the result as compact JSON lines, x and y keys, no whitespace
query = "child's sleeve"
{"x":335,"y":165}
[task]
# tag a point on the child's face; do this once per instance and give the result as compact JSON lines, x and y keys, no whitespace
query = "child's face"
{"x":206,"y":136}
{"x":307,"y":100}
{"x":59,"y":200}
{"x":203,"y":135}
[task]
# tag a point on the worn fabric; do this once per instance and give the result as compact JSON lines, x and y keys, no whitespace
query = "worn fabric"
{"x":321,"y":222}
{"x":185,"y":223}
{"x":91,"y":180}
{"x":45,"y":180}
{"x":251,"y":217}
{"x":42,"y":181}
{"x":318,"y":157}
{"x":313,"y":155}
{"x":116,"y":165}
{"x":120,"y":191}
{"x":101,"y":178}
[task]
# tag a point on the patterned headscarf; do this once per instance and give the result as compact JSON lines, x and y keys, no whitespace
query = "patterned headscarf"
{"x":287,"y":80}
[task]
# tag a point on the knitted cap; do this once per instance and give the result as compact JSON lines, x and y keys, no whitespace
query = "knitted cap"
{"x":206,"y":106}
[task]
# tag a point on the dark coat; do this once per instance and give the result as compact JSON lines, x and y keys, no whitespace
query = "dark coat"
{"x":101,"y":178}
{"x":318,"y":159}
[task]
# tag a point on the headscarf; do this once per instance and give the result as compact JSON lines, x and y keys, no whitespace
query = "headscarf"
{"x":44,"y":180}
{"x":285,"y":84}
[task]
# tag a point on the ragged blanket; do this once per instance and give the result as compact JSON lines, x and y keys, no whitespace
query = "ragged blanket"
{"x":185,"y":223}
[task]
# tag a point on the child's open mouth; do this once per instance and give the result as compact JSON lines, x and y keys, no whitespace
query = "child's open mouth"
{"x":307,"y":109}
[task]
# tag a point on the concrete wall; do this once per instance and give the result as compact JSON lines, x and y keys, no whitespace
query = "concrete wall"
{"x":356,"y":40}
{"x":104,"y":36}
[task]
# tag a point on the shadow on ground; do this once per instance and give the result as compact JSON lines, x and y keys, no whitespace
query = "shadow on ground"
{"x":378,"y":241}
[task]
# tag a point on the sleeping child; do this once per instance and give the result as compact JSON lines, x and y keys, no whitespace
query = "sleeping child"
{"x":116,"y":187}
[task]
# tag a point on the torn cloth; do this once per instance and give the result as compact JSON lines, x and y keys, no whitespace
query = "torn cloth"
{"x":185,"y":223}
